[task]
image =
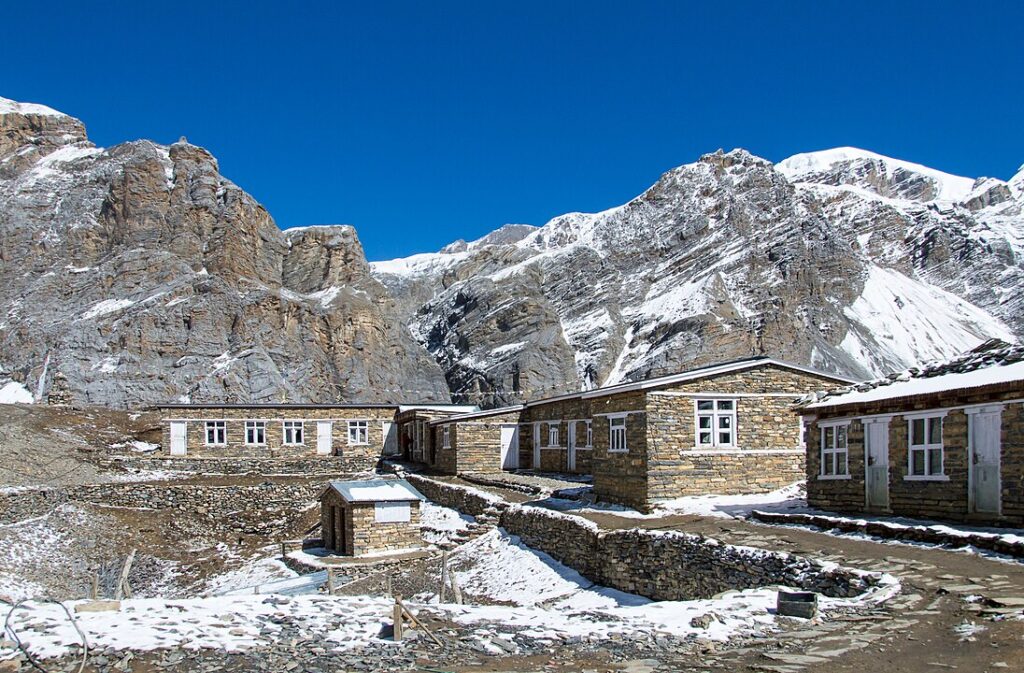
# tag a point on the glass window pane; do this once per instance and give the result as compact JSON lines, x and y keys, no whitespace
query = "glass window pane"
{"x":704,"y":422}
{"x":935,"y":461}
{"x":917,"y":432}
{"x":917,"y":462}
{"x":725,"y":405}
{"x":841,"y":463}
{"x":725,"y":422}
{"x":934,"y":430}
{"x":705,"y":405}
{"x":841,"y":437}
{"x":830,"y":435}
{"x":725,"y":438}
{"x":826,"y":464}
{"x":705,"y":438}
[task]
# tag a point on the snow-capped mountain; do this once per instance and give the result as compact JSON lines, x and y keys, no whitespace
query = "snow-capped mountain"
{"x":843,"y":259}
{"x":138,"y":274}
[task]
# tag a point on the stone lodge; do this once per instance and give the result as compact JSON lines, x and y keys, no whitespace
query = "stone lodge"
{"x":370,"y":517}
{"x":358,"y":431}
{"x":726,"y":428}
{"x":942,"y":441}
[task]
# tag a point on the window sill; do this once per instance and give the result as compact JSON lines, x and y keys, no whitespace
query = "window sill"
{"x":923,"y":477}
{"x":293,"y":445}
{"x":618,"y":450}
{"x":367,"y":444}
{"x":834,"y":477}
{"x":216,"y":446}
{"x":256,"y":446}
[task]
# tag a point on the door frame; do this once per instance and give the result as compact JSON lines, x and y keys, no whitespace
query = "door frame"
{"x":536,"y":445}
{"x":570,"y":446}
{"x":866,"y":423}
{"x":184,"y":438}
{"x":971,"y":413}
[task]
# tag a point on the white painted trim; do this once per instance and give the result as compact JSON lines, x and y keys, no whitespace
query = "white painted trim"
{"x":206,"y":433}
{"x":245,"y":430}
{"x":833,"y":450}
{"x":715,"y":414}
{"x":620,"y":414}
{"x":348,"y":431}
{"x":283,"y":433}
{"x":742,"y":452}
{"x":625,"y":434}
{"x":925,"y":414}
{"x":833,"y":477}
{"x":675,"y":393}
{"x":927,"y":448}
{"x":921,"y":477}
{"x":985,"y":409}
{"x":972,"y":414}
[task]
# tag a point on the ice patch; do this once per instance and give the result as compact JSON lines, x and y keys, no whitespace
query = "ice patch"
{"x":107,"y":306}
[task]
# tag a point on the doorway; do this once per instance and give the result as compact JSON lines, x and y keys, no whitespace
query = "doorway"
{"x":876,"y":478}
{"x":984,"y":429}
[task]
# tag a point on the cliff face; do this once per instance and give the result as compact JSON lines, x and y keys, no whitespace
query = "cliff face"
{"x":844,"y":260}
{"x":139,"y":274}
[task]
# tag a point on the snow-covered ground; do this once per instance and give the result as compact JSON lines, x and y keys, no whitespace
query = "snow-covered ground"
{"x":548,"y":602}
{"x":12,"y":392}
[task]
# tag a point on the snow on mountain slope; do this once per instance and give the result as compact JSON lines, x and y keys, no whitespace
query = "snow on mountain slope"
{"x":843,"y":259}
{"x":804,"y":167}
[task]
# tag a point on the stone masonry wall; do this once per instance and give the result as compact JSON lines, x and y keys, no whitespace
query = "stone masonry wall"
{"x":945,"y":499}
{"x":476,"y":444}
{"x":306,"y":465}
{"x":266,"y":509}
{"x":195,"y":438}
{"x":662,"y":565}
{"x":370,"y":536}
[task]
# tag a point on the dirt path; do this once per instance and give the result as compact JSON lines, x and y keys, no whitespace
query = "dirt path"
{"x":914,"y":633}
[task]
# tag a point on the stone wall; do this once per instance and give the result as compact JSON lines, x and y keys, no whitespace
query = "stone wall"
{"x":267,"y":509}
{"x":475,"y":443}
{"x":662,"y":565}
{"x":235,"y":417}
{"x":940,"y":499}
{"x":306,"y":465}
{"x":373,"y":537}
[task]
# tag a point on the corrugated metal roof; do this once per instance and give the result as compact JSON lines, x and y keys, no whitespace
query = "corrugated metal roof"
{"x":377,"y":490}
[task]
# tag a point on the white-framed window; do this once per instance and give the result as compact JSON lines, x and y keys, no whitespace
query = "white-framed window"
{"x":552,"y":435}
{"x":255,"y":433}
{"x":390,"y":512}
{"x":293,"y":433}
{"x":925,"y":443}
{"x":446,"y":437}
{"x":216,"y":433}
{"x":358,"y":433}
{"x":835,"y":461}
{"x":590,"y":435}
{"x":617,"y":433}
{"x":716,"y":423}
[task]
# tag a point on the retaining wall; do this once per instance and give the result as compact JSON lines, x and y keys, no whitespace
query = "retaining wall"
{"x":662,"y":565}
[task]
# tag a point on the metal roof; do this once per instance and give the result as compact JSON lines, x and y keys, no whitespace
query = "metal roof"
{"x":376,"y":490}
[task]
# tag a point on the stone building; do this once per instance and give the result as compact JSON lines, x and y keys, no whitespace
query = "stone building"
{"x":942,"y":441}
{"x":726,"y":428}
{"x":282,"y":430}
{"x":415,"y":440}
{"x":370,"y":517}
{"x":479,"y":442}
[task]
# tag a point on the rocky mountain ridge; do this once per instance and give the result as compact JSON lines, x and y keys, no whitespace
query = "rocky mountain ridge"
{"x":844,"y":259}
{"x":139,"y":274}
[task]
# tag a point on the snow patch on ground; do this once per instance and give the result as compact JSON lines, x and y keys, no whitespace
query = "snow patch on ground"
{"x":13,"y":392}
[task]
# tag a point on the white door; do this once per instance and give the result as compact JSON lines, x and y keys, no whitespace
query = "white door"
{"x":570,"y":442}
{"x":178,"y":438}
{"x":876,"y":446}
{"x":390,"y":438}
{"x":324,"y":444}
{"x":536,"y":446}
{"x":985,"y":440}
{"x":509,"y":447}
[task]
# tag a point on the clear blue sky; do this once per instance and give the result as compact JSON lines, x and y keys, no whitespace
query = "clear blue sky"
{"x":424,"y":122}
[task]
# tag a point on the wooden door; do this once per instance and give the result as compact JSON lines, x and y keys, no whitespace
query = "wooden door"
{"x":876,"y":449}
{"x":324,"y":443}
{"x":536,"y":446}
{"x":985,"y":447}
{"x":178,"y":438}
{"x":509,"y":447}
{"x":570,"y":443}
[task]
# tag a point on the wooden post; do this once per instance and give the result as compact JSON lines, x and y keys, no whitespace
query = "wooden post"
{"x":444,"y":571}
{"x":283,"y":552}
{"x":330,"y":581}
{"x":95,"y":585}
{"x":398,"y":617}
{"x":122,"y":581}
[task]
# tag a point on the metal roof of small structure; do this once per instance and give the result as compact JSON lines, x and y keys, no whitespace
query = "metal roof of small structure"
{"x":376,"y":490}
